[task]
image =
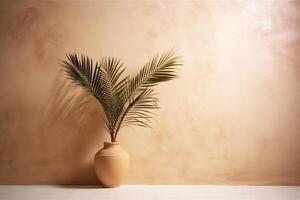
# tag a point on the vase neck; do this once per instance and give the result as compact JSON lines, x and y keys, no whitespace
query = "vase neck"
{"x":111,"y":145}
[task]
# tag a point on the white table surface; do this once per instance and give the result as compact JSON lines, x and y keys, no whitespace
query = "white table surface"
{"x":137,"y":192}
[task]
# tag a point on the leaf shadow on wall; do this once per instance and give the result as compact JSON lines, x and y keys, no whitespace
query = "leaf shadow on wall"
{"x":72,"y":132}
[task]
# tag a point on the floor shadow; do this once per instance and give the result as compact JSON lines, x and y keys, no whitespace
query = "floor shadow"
{"x":80,"y":186}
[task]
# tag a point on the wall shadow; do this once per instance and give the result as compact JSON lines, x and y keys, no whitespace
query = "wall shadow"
{"x":72,"y":131}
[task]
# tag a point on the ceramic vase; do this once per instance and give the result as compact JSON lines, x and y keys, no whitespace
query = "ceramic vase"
{"x":111,"y":164}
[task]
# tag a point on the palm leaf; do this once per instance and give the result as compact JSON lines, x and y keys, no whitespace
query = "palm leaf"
{"x":158,"y":69}
{"x":139,"y":111}
{"x":137,"y":94}
{"x":100,"y":80}
{"x":125,"y":101}
{"x":112,"y":70}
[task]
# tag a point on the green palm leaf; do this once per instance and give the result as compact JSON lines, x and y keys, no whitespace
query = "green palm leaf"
{"x":158,"y":69}
{"x":100,"y":80}
{"x":139,"y":111}
{"x":125,"y":101}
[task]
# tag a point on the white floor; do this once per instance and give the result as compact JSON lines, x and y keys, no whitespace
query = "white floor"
{"x":137,"y":192}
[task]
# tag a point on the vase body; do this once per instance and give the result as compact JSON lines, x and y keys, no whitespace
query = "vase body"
{"x":111,"y":164}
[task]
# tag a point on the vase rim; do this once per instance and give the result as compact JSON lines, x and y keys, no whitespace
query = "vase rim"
{"x":112,"y":143}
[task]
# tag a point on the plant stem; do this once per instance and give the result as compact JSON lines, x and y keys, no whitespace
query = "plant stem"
{"x":112,"y":137}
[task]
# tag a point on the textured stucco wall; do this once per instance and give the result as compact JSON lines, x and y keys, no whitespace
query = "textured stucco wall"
{"x":232,"y":118}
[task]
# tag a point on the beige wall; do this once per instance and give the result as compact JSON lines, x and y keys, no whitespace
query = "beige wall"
{"x":232,"y":118}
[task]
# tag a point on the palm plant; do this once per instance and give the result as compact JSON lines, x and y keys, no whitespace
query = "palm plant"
{"x":125,"y":101}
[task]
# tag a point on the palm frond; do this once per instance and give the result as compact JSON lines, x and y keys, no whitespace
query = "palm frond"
{"x":140,"y":110}
{"x":125,"y":101}
{"x":101,"y":80}
{"x":112,"y":71}
{"x":90,"y":77}
{"x":158,"y":69}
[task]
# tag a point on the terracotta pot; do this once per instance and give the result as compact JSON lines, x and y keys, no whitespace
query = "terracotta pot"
{"x":111,"y":164}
